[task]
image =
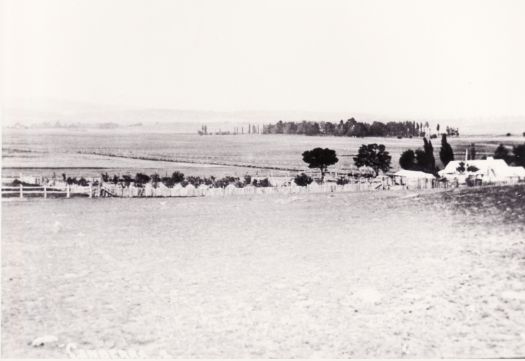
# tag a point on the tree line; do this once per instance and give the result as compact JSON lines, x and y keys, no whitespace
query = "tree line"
{"x":353,"y":128}
{"x":140,"y":179}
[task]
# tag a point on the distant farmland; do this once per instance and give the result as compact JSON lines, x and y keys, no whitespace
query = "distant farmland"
{"x":81,"y":152}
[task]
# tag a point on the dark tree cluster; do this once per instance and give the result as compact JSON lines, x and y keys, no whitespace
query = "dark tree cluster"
{"x":421,"y":160}
{"x":77,"y":181}
{"x":517,"y":157}
{"x":350,"y":128}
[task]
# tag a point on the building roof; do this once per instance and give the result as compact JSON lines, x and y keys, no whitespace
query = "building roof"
{"x":413,"y":174}
{"x":490,"y":167}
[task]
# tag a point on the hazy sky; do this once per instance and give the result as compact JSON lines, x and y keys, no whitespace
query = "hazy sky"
{"x":411,"y":58}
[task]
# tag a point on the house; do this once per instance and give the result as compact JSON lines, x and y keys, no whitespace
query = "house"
{"x":487,"y":170}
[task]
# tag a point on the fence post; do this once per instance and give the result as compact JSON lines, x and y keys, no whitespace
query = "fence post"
{"x":90,"y":191}
{"x":21,"y":191}
{"x":67,"y":191}
{"x":45,"y":192}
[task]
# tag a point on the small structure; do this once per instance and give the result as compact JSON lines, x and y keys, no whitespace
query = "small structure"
{"x":413,"y":179}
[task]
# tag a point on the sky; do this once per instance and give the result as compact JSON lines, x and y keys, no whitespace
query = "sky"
{"x":432,"y":59}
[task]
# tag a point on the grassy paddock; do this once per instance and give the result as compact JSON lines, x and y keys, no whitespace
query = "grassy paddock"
{"x":387,"y":274}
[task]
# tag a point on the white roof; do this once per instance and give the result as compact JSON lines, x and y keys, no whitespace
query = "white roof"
{"x":490,"y":167}
{"x":413,"y":174}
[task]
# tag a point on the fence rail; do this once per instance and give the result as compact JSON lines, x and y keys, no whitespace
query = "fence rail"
{"x":131,"y":191}
{"x":23,"y":191}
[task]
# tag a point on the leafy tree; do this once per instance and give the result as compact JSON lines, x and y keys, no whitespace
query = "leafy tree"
{"x":167,"y":181}
{"x":445,"y":154}
{"x":320,"y":158}
{"x":141,"y":178}
{"x":502,"y":152}
{"x":519,"y":155}
{"x":408,"y":160}
{"x":127,"y":179}
{"x":374,"y":156}
{"x":177,"y":177}
{"x":303,"y":180}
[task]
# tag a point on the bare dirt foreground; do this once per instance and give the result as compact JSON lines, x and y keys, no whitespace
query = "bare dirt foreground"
{"x":390,"y":274}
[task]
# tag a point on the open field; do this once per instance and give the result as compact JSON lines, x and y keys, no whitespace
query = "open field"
{"x":441,"y":276}
{"x":37,"y":152}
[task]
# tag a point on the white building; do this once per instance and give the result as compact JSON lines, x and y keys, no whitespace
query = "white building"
{"x":487,"y":170}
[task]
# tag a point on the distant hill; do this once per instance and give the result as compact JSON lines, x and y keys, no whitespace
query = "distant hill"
{"x":85,"y":115}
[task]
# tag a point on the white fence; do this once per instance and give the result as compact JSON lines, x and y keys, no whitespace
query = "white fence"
{"x":44,"y":191}
{"x":131,"y":191}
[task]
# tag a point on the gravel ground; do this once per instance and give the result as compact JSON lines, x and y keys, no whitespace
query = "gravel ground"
{"x":386,"y":274}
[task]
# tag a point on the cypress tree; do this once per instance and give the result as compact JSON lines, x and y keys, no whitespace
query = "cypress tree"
{"x":445,"y":154}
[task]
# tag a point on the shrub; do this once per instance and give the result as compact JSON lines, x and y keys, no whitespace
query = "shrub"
{"x":261,"y":183}
{"x":177,"y":177}
{"x":225,"y":181}
{"x":127,"y":179}
{"x":408,"y":160}
{"x":303,"y":179}
{"x":342,"y":181}
{"x":141,"y":178}
{"x":167,"y":181}
{"x":155,"y":179}
{"x":247,"y":179}
{"x":83,"y":182}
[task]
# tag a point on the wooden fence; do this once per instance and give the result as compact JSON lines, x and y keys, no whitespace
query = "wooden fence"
{"x":44,"y":191}
{"x":121,"y":191}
